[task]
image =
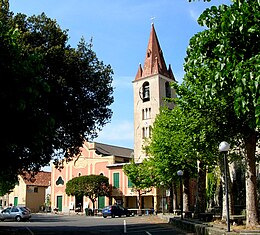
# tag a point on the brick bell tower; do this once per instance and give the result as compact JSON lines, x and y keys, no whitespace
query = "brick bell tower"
{"x":151,"y":86}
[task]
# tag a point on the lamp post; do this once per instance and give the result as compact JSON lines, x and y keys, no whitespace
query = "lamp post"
{"x":224,"y":147}
{"x":180,"y":174}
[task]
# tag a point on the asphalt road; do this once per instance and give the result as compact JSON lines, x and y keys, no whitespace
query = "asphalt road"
{"x":50,"y":224}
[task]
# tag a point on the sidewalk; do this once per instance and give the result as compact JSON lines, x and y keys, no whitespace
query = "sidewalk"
{"x":195,"y":226}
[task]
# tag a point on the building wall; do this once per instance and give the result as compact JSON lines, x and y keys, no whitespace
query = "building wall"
{"x":31,"y":196}
{"x":88,"y":162}
{"x":35,"y":198}
{"x":157,"y":95}
{"x":19,"y":192}
{"x":4,"y":201}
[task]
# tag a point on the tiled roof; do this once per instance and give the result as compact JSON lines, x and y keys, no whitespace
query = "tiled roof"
{"x":42,"y":178}
{"x":110,"y":150}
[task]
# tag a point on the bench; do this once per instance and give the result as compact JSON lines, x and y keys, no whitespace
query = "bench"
{"x":176,"y":211}
{"x":207,"y":216}
{"x":238,"y":219}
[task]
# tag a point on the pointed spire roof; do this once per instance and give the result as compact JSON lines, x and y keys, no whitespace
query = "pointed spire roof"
{"x":154,"y":62}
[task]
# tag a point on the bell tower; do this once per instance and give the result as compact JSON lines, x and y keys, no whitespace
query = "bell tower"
{"x":151,"y":86}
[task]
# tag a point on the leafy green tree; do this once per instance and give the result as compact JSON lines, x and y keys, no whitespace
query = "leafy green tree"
{"x":222,"y":81}
{"x":54,"y":96}
{"x":178,"y":141}
{"x":142,"y":180}
{"x":91,"y":186}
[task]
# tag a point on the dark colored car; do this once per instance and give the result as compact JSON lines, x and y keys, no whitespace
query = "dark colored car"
{"x":15,"y":213}
{"x":115,"y":210}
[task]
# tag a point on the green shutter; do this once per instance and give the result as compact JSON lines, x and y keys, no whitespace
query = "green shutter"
{"x":101,"y":202}
{"x":116,"y":180}
{"x":130,"y":184}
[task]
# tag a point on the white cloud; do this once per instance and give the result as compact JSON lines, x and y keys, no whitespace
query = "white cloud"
{"x":119,"y":133}
{"x":123,"y":82}
{"x":194,"y":15}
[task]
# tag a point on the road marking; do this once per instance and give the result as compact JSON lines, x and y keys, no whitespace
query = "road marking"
{"x":30,"y":231}
{"x":148,"y":233}
{"x":124,"y":226}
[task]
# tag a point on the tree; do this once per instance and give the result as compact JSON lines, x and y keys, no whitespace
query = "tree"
{"x":54,"y":96}
{"x":222,"y":74}
{"x":91,"y":186}
{"x":142,"y":180}
{"x":178,"y":141}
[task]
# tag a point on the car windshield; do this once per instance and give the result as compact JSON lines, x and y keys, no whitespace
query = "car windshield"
{"x":6,"y":210}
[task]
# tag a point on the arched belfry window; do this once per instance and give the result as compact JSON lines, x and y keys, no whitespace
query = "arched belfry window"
{"x":167,"y":90}
{"x":146,"y":92}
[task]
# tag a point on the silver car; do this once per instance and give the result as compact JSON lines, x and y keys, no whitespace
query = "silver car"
{"x":15,"y":213}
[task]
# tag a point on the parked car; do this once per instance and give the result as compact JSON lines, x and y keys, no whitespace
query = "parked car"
{"x":16,"y":213}
{"x":115,"y":210}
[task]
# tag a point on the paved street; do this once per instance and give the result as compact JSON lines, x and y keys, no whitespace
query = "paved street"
{"x":48,"y":224}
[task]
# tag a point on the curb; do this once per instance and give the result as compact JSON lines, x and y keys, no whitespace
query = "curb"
{"x":200,"y":228}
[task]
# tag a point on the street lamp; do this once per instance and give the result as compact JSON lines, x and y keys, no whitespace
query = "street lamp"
{"x":224,"y":147}
{"x":180,"y":174}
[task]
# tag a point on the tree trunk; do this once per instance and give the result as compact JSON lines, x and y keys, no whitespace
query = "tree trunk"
{"x":200,"y":206}
{"x":186,"y":182}
{"x":139,"y":211}
{"x":175,"y":203}
{"x":251,"y":195}
{"x":170,"y":201}
{"x":139,"y":200}
{"x":93,"y":205}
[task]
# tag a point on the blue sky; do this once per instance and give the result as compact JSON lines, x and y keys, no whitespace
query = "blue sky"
{"x":120,"y":30}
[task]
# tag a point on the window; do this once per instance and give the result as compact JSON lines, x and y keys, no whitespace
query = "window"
{"x":116,"y":180}
{"x":148,"y":53}
{"x":146,"y":113}
{"x":167,"y":90}
{"x":130,"y":184}
{"x":35,"y":189}
{"x":60,"y":181}
{"x":146,"y":92}
{"x":14,"y":209}
{"x":147,"y":131}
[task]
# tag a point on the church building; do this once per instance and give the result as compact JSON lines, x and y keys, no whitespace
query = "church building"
{"x":151,"y":86}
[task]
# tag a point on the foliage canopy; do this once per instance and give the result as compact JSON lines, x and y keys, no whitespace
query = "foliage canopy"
{"x":219,"y":97}
{"x":91,"y":186}
{"x":54,"y":96}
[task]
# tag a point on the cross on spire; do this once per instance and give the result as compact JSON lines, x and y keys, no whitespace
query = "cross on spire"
{"x":152,"y":19}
